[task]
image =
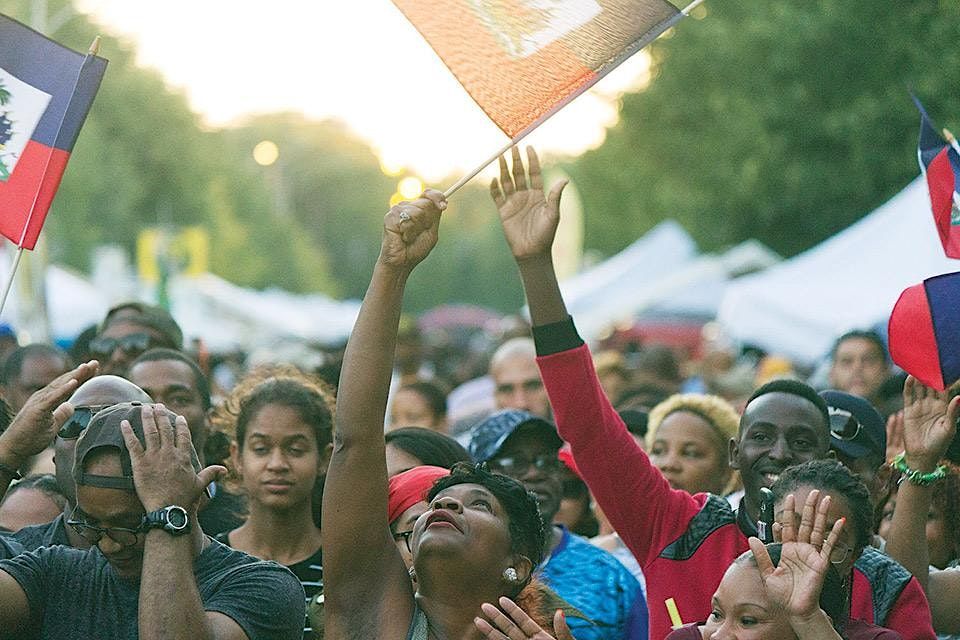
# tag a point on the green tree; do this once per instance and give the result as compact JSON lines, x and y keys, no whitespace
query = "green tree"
{"x":783,"y":121}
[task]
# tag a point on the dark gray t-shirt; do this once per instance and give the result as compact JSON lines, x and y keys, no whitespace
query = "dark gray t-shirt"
{"x":76,"y":594}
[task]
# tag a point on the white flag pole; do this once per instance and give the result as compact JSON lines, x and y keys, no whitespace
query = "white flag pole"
{"x":92,"y":51}
{"x":641,"y":43}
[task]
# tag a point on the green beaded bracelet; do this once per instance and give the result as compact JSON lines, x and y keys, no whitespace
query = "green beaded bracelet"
{"x":914,"y":475}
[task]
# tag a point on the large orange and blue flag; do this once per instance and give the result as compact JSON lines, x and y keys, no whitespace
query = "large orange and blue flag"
{"x":523,"y":60}
{"x":940,"y":164}
{"x":46,"y":91}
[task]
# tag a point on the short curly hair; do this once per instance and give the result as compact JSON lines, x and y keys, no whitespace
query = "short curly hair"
{"x":830,"y":476}
{"x":528,"y":533}
{"x":716,"y":411}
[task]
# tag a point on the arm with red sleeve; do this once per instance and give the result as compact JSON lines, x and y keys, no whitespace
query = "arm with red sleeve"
{"x":643,"y":508}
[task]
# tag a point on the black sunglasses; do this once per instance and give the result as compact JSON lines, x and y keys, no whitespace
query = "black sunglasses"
{"x":133,"y":344}
{"x":81,"y":417}
{"x":843,"y":424}
{"x":123,"y":536}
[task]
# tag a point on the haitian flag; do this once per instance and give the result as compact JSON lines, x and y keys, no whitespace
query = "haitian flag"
{"x":924,"y":331}
{"x":940,"y":165}
{"x":523,"y":60}
{"x":46,"y":91}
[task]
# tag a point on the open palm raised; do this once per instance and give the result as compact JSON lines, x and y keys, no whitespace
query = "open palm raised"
{"x":529,"y":219}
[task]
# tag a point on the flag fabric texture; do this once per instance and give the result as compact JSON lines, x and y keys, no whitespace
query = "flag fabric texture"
{"x":523,"y":60}
{"x":924,"y":331}
{"x":46,"y":91}
{"x":940,"y":164}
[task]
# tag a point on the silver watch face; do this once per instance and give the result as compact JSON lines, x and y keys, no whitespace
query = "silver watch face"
{"x":177,"y":518}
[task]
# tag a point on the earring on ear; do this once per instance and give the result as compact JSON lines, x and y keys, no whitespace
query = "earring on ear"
{"x":510,"y":574}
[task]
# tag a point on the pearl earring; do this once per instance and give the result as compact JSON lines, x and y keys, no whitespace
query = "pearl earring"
{"x":510,"y":574}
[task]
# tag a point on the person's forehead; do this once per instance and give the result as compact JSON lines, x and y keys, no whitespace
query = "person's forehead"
{"x":157,"y":375}
{"x":43,"y":367}
{"x":858,"y":346}
{"x":277,"y":420}
{"x":107,"y":390}
{"x":515,"y":368}
{"x":108,"y":506}
{"x":530,"y":440}
{"x":687,"y":425}
{"x":784,"y":410}
{"x":839,"y":507}
{"x":126,"y":327}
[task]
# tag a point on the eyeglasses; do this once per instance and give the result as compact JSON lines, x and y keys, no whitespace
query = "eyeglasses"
{"x":121,"y":535}
{"x":515,"y":466}
{"x":843,"y":424}
{"x":81,"y":417}
{"x":840,"y":553}
{"x":405,"y":536}
{"x":133,"y":344}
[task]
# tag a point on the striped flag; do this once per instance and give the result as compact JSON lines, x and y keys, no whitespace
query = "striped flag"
{"x":940,"y":165}
{"x":523,"y":60}
{"x":46,"y":91}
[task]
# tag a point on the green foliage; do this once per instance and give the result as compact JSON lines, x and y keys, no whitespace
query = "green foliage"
{"x":782,"y":121}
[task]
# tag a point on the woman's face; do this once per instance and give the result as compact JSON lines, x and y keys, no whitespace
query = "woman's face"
{"x":845,"y":551}
{"x":466,"y":522}
{"x":939,"y":538}
{"x":402,"y":529}
{"x":742,"y":611}
{"x":279,"y":461}
{"x":690,"y":454}
{"x":410,"y":409}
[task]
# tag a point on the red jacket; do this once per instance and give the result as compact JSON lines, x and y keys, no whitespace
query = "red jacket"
{"x":683,"y":542}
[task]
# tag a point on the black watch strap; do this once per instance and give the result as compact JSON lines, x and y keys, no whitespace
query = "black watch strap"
{"x":173,"y":519}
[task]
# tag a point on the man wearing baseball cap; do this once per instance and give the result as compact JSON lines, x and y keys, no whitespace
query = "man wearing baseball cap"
{"x":525,"y":447}
{"x":858,"y":436}
{"x":151,"y":571}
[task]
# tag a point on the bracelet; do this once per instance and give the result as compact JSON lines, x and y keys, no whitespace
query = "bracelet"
{"x":10,"y":471}
{"x":914,"y":475}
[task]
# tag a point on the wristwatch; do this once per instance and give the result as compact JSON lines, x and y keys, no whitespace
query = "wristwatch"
{"x":173,"y":519}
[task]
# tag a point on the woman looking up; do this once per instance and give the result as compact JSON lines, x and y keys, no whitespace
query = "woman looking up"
{"x":282,"y":424}
{"x":482,"y":535}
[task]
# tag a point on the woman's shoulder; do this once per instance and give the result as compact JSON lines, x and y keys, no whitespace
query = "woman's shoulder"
{"x":686,"y":632}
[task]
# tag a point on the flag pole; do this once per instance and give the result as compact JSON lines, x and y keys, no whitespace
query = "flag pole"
{"x":682,"y":13}
{"x":92,"y":51}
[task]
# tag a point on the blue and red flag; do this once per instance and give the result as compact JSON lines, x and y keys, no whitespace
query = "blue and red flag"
{"x":923,"y":330}
{"x":46,"y":91}
{"x":940,"y":164}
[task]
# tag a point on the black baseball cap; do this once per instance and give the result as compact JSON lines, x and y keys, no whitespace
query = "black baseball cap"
{"x":856,"y":428}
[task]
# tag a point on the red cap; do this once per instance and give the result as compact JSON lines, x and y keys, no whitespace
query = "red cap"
{"x":410,"y":487}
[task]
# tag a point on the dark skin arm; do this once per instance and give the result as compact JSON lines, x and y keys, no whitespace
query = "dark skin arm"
{"x":369,"y":593}
{"x":929,"y":419}
{"x":34,"y":428}
{"x":170,"y":606}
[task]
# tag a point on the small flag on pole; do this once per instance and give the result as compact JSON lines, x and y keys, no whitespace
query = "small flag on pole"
{"x":46,"y":91}
{"x":940,"y":165}
{"x":523,"y":60}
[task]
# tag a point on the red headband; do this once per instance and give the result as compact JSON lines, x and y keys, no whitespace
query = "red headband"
{"x":410,"y":487}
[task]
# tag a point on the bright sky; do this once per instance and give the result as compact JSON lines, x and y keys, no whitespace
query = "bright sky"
{"x":356,"y":60}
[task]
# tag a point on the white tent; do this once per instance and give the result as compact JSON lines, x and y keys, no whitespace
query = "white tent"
{"x":850,"y":281}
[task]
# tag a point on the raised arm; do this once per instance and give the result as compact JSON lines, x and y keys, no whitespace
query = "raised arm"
{"x":636,"y":498}
{"x":35,"y":425}
{"x":365,"y":579}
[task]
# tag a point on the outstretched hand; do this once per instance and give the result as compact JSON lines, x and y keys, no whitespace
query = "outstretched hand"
{"x":795,"y":584}
{"x":36,"y":424}
{"x":513,"y":623}
{"x":529,"y":219}
{"x":929,"y":423}
{"x":410,"y":230}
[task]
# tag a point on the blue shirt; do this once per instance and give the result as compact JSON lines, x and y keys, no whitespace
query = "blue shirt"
{"x":595,"y":582}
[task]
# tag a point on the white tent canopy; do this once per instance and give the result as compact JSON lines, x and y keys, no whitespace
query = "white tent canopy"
{"x":850,"y":281}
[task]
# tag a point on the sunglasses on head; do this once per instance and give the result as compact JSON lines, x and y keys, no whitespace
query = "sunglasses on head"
{"x":81,"y":417}
{"x":843,"y":424}
{"x":135,"y":343}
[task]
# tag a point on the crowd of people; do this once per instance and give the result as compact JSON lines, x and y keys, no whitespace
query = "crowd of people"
{"x":556,"y":494}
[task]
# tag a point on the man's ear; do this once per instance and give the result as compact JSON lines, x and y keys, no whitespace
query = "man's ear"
{"x":733,"y":452}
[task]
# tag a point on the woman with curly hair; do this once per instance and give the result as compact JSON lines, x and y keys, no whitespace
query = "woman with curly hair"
{"x":689,"y":439}
{"x":482,"y":535}
{"x":282,"y":424}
